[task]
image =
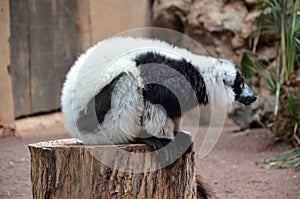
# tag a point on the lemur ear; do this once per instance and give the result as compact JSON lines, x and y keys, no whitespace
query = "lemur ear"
{"x":225,"y":82}
{"x":226,"y":79}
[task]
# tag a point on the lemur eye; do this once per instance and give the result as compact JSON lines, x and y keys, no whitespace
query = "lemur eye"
{"x":242,"y":85}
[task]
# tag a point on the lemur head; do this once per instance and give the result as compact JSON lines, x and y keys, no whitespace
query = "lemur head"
{"x":243,"y":93}
{"x":232,"y":78}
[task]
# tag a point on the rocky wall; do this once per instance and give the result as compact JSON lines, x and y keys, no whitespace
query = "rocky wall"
{"x":223,"y":27}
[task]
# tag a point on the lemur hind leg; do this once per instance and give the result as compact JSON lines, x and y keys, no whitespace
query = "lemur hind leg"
{"x":161,"y":134}
{"x":167,"y":150}
{"x":164,"y":149}
{"x":184,"y":142}
{"x":183,"y":139}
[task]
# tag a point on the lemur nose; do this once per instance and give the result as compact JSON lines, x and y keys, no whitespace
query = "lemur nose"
{"x":251,"y":99}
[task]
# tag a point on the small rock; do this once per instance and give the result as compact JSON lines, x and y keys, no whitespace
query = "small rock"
{"x":254,"y":116}
{"x":23,"y":159}
{"x":247,"y":26}
{"x":170,"y":14}
{"x":251,"y":2}
{"x":233,"y":17}
{"x":237,"y":41}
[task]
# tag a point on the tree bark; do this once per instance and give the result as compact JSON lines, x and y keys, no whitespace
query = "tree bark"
{"x":68,"y":169}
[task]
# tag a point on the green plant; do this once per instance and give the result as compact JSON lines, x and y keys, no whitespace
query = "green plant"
{"x":278,"y":25}
{"x":286,"y":159}
{"x":293,"y":109}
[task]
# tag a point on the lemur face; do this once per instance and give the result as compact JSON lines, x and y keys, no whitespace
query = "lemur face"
{"x":243,"y":93}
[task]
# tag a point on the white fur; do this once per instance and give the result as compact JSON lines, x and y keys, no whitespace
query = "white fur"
{"x":220,"y":94}
{"x":156,"y":122}
{"x":100,"y":64}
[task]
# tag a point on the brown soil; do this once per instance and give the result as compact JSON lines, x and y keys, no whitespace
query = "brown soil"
{"x":232,"y":167}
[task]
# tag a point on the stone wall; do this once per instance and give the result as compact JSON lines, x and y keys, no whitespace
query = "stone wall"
{"x":223,"y":27}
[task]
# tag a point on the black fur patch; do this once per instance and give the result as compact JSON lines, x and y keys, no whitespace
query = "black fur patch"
{"x":103,"y":99}
{"x":160,"y":94}
{"x":236,"y":86}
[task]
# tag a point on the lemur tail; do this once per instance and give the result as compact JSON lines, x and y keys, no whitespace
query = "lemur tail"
{"x":204,"y":190}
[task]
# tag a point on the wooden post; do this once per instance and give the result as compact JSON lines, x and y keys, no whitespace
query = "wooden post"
{"x":6,"y":96}
{"x":68,"y":169}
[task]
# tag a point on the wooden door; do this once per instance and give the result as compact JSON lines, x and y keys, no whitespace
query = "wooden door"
{"x":44,"y":37}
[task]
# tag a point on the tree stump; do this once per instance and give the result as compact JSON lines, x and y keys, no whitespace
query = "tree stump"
{"x":68,"y":169}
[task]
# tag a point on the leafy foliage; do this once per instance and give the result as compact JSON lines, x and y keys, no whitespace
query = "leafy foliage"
{"x":284,"y":160}
{"x":278,"y":25}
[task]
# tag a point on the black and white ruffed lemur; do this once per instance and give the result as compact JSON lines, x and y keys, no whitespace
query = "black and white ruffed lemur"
{"x":125,"y":105}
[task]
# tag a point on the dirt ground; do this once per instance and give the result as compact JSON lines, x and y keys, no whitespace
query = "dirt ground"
{"x":232,"y":168}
